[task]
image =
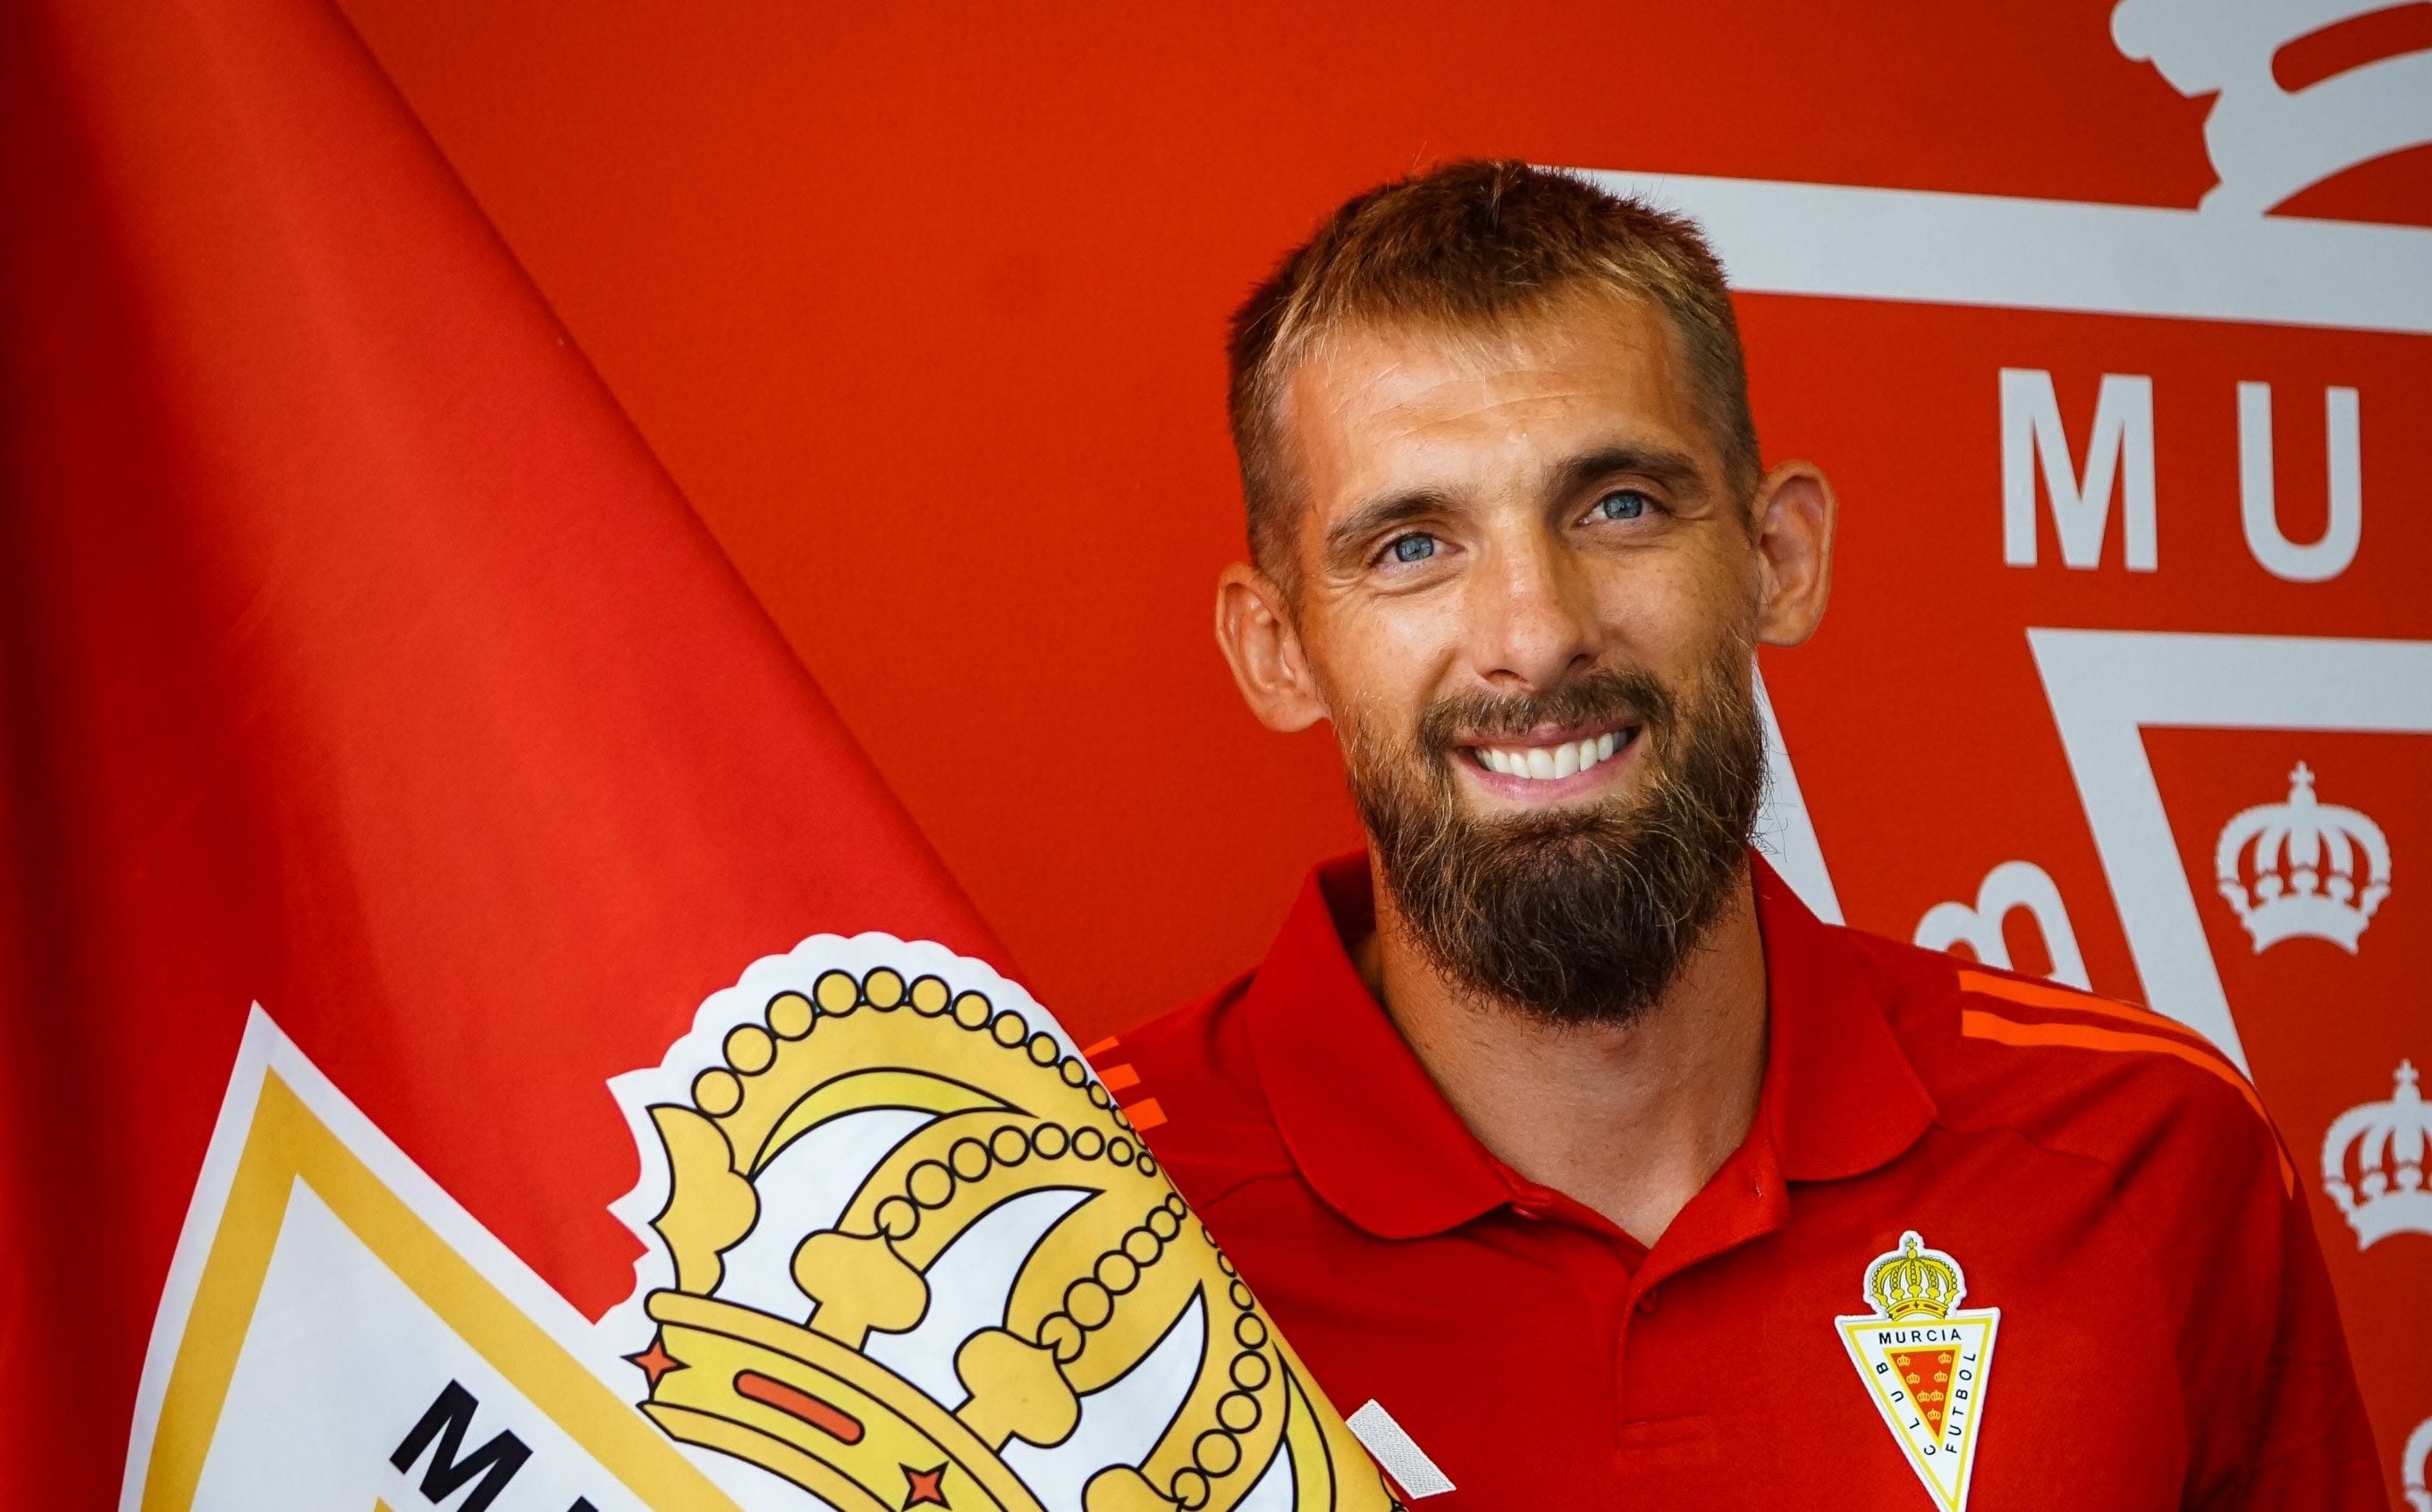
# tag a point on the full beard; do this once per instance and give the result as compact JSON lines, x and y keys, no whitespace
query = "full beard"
{"x":1582,"y":915}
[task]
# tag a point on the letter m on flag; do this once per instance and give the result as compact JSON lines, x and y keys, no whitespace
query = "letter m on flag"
{"x":449,"y":1418}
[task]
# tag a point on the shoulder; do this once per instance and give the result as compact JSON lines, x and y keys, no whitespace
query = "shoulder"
{"x":1190,"y":1084}
{"x":2070,"y":1071}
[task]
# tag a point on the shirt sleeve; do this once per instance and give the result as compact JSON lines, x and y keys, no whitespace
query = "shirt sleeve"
{"x":2274,"y":1420}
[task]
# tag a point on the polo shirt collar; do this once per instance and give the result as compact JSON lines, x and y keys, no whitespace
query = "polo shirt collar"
{"x":1365,"y":1123}
{"x":1378,"y":1142}
{"x":1841,"y":1097}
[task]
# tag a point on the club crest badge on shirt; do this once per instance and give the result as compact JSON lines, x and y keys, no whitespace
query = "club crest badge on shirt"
{"x":1924,"y":1362}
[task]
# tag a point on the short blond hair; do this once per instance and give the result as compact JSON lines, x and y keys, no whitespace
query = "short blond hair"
{"x":1471,"y":245}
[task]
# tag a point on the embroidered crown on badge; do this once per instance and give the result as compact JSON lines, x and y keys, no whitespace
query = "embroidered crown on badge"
{"x":2317,"y":869}
{"x":1913,"y":1282}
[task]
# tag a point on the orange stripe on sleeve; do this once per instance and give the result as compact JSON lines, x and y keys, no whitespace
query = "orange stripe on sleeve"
{"x":1116,"y":1078}
{"x":1144,"y":1114}
{"x":1102,"y":1046}
{"x":2068,"y":1000}
{"x":2035,"y":995}
{"x":1978,"y":1025}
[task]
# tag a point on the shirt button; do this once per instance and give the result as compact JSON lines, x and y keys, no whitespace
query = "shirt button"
{"x":1646,"y":1303}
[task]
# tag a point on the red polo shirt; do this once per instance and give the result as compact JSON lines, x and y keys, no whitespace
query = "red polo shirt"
{"x":2098,"y":1175}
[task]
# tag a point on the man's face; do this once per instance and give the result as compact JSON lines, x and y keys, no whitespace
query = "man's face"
{"x":1528,"y":597}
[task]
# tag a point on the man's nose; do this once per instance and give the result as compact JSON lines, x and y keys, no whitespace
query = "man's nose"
{"x":1532,"y":619}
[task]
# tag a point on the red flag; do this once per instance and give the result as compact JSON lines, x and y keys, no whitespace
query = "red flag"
{"x":393,"y":763}
{"x":360,"y":661}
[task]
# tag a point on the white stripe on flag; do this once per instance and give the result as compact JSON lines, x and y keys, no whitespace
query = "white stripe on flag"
{"x":1402,"y":1457}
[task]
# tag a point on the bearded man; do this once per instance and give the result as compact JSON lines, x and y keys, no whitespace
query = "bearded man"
{"x":1581,"y":1163}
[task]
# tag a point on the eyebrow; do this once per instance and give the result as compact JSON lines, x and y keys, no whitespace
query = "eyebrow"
{"x":1676,"y":469}
{"x":1380,"y":514}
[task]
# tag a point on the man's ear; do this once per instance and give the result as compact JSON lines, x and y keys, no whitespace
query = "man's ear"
{"x":1254,"y":628}
{"x":1796,"y":514}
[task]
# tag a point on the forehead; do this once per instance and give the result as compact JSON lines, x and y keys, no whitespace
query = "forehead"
{"x":1376,"y":405}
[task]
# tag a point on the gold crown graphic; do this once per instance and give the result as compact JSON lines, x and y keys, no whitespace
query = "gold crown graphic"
{"x":1914,"y":1282}
{"x":1009,"y":1111}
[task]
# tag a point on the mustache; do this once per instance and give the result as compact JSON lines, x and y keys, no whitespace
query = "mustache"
{"x":1605,"y":695}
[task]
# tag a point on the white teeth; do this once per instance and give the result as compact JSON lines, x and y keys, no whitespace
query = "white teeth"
{"x":1548,"y":763}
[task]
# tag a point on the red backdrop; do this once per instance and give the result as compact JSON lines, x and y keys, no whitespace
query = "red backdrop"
{"x":923,"y":307}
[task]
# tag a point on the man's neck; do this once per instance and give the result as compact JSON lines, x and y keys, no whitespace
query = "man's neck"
{"x":1630,"y":1120}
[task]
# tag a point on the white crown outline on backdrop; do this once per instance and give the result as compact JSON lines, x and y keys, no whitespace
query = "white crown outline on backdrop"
{"x":2305,"y":880}
{"x":2388,"y":1140}
{"x":2411,"y":1465}
{"x":2269,"y":142}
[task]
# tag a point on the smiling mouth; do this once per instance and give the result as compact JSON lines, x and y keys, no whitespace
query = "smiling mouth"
{"x":1550,"y":762}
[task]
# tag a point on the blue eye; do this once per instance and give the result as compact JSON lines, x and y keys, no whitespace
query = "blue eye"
{"x":1414,"y":548}
{"x":1622,"y":503}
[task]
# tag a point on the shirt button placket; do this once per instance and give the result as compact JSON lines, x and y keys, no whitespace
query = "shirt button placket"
{"x":1634,"y":1308}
